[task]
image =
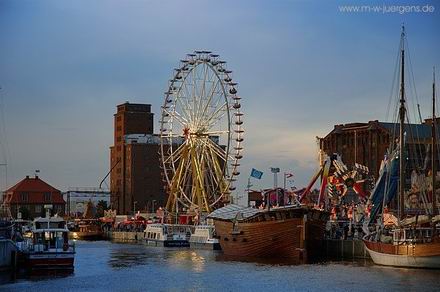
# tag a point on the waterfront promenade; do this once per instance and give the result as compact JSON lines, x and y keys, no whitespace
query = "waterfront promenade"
{"x":107,"y":266}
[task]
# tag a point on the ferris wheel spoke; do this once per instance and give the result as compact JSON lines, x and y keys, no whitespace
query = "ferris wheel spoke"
{"x":203,"y":91}
{"x":217,"y":114}
{"x":188,"y":96}
{"x":213,"y":120}
{"x":184,"y":108}
{"x":175,"y":154}
{"x":210,"y":133}
{"x":218,"y":150}
{"x":179,"y":118}
{"x":210,"y":98}
{"x":215,"y":178}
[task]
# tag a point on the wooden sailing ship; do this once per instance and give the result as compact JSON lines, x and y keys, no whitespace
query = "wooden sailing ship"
{"x":416,"y":243}
{"x":290,"y":233}
{"x":88,"y":228}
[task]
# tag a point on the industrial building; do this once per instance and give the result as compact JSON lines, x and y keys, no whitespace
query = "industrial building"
{"x":135,"y":176}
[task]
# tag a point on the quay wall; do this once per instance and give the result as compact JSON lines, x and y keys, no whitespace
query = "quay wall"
{"x":124,"y":235}
{"x":345,"y":249}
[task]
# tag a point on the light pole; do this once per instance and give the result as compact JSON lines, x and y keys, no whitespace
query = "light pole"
{"x":275,"y":171}
{"x":152,"y":206}
{"x":134,"y":207}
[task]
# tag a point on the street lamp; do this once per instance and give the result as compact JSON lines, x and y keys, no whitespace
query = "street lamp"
{"x":275,"y":171}
{"x":152,"y":206}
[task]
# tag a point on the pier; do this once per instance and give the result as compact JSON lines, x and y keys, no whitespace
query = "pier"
{"x":345,"y":249}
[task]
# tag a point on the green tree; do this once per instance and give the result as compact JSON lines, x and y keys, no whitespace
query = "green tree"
{"x":100,"y":208}
{"x":25,"y":214}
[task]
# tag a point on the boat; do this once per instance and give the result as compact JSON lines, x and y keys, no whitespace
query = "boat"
{"x":87,"y":229}
{"x":8,"y":236}
{"x":204,"y":238}
{"x":168,"y":235}
{"x":413,"y":242}
{"x":287,"y":233}
{"x":49,"y":247}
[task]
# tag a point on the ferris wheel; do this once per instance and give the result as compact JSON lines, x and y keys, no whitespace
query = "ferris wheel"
{"x":201,"y":134}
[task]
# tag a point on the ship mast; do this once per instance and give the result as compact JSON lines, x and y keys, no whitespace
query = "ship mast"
{"x":402,"y":121}
{"x":434,"y":149}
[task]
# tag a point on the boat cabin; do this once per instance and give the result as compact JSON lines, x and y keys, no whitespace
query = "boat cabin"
{"x":49,"y":234}
{"x":203,"y":233}
{"x":167,"y":232}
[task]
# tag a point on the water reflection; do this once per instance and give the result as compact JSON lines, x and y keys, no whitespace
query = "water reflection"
{"x":136,"y":267}
{"x":182,"y":258}
{"x":122,"y":258}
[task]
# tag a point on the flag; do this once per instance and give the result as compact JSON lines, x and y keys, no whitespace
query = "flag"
{"x":256,"y":173}
{"x":288,"y":175}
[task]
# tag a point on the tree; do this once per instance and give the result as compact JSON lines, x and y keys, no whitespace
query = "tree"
{"x":100,"y":208}
{"x":25,"y":214}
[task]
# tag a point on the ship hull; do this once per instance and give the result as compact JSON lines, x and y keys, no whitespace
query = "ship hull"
{"x":426,"y":255}
{"x":278,"y":238}
{"x":50,"y":260}
{"x":205,"y":245}
{"x":167,"y":243}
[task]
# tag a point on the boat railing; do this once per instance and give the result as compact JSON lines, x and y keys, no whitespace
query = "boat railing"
{"x":413,"y":235}
{"x":29,"y":246}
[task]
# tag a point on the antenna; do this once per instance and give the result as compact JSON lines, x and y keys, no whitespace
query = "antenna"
{"x":434,"y":148}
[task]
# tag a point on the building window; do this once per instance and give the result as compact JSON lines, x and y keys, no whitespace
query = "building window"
{"x":37,"y":209}
{"x":59,"y":209}
{"x":24,"y":197}
{"x":47,"y":197}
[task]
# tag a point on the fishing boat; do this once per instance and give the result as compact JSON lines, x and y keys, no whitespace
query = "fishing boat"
{"x":414,"y":242}
{"x":203,"y":237}
{"x":168,"y":235}
{"x":49,"y":247}
{"x":281,"y":232}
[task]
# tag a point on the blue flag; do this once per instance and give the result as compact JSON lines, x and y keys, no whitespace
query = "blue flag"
{"x":256,"y":173}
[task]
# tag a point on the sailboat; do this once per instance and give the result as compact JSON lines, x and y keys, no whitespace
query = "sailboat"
{"x":414,"y":242}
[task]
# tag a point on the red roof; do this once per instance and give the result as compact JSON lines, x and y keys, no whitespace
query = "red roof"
{"x":35,"y":188}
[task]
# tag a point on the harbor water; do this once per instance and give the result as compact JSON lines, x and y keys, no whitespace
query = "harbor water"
{"x":110,"y":266}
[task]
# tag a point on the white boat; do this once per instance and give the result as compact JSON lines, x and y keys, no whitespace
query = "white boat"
{"x":49,"y":246}
{"x":168,"y":235}
{"x":204,"y":238}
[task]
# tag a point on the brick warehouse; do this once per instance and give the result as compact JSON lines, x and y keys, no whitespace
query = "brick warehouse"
{"x":135,"y":177}
{"x":366,"y":143}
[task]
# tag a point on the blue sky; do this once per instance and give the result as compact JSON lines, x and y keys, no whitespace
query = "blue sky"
{"x":302,"y":66}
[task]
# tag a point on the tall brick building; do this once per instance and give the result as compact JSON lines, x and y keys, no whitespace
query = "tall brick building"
{"x":135,"y":178}
{"x":366,"y":143}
